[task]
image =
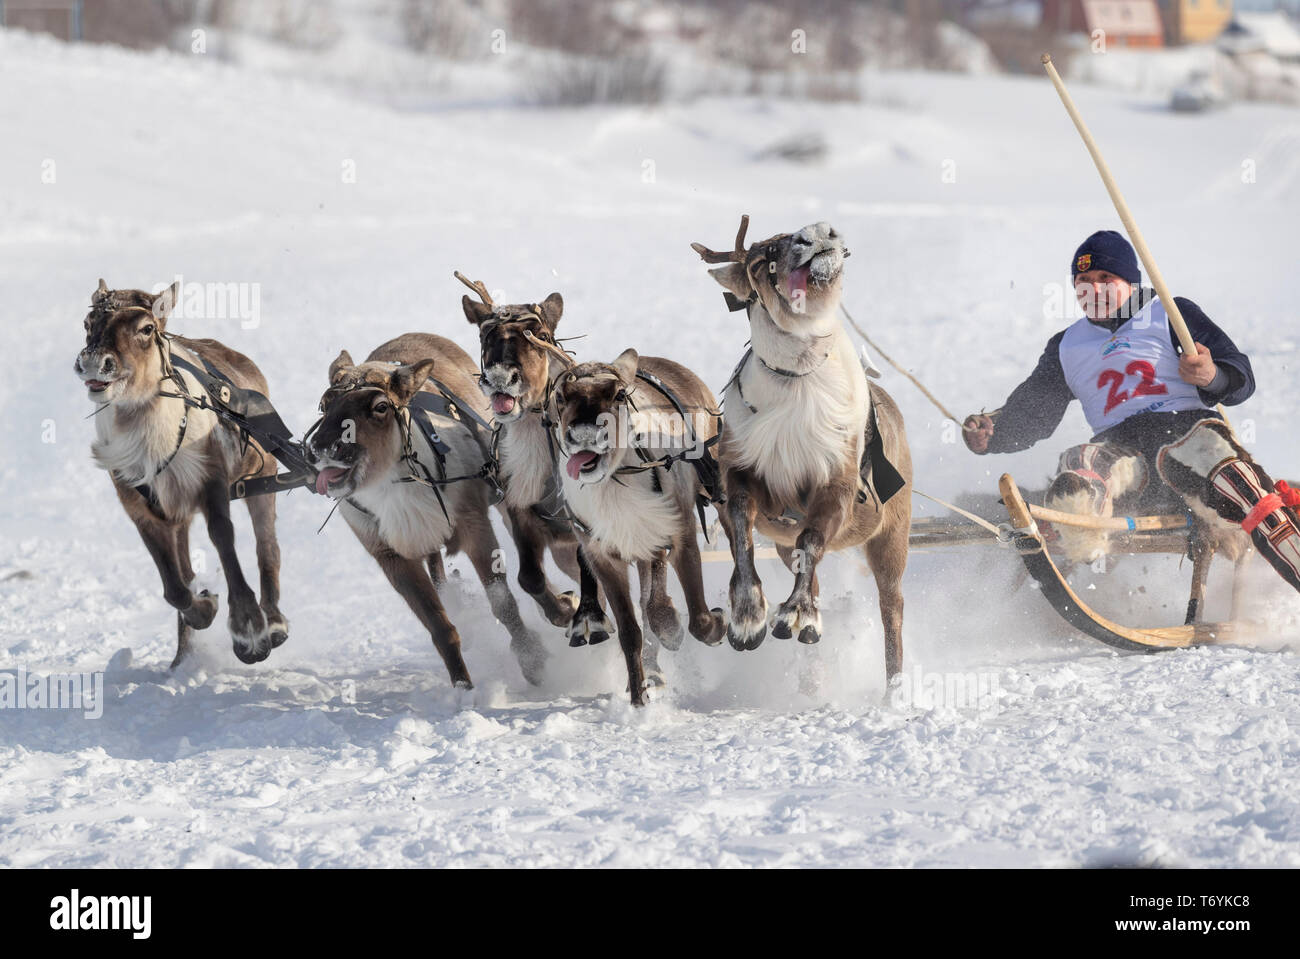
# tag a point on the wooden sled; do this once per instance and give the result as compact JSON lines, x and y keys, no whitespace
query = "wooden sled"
{"x":1144,"y":534}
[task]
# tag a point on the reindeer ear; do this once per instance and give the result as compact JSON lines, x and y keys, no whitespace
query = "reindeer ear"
{"x":626,"y":366}
{"x":475,"y":311}
{"x":552,"y":309}
{"x":342,"y":363}
{"x":734,"y":280}
{"x":407,"y":380}
{"x":103,"y":288}
{"x":165,"y":302}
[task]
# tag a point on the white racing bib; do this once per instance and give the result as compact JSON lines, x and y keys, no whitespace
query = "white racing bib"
{"x":1133,"y":370}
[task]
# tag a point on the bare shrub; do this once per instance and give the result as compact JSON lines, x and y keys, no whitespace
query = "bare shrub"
{"x":576,"y":81}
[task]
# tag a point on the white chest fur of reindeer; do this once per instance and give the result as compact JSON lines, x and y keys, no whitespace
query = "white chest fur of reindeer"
{"x":133,"y":441}
{"x":407,"y":513}
{"x":626,"y":517}
{"x":527,"y":463}
{"x":795,"y":432}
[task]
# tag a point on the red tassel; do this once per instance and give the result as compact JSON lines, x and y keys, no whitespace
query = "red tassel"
{"x":1290,"y":497}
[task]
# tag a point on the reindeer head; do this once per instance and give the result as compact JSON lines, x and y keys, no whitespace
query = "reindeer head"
{"x":517,"y":344}
{"x":122,"y":360}
{"x":588,"y":400}
{"x":794,"y":276}
{"x":363,"y":427}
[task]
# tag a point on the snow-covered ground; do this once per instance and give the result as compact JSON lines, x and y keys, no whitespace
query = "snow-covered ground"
{"x":961,"y":200}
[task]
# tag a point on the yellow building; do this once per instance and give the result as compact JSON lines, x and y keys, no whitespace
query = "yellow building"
{"x":1194,"y":21}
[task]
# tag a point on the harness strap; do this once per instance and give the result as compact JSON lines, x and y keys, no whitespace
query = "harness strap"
{"x":146,"y":489}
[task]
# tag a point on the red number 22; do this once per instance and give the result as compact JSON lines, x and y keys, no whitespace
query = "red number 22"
{"x":1115,"y":379}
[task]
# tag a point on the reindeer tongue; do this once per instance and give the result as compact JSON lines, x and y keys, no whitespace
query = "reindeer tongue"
{"x":327,"y":476}
{"x":502,"y":403}
{"x":798,"y":280}
{"x":577,"y":461}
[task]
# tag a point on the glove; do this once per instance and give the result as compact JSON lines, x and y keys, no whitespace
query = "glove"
{"x":977,"y":431}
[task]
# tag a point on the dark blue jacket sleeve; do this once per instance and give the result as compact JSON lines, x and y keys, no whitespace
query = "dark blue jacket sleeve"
{"x":1240,"y":378}
{"x":1035,"y":408}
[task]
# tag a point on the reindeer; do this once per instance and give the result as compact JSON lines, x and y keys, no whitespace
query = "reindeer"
{"x":407,"y":494}
{"x":626,"y":434}
{"x":810,"y":452}
{"x":520,"y":360}
{"x":170,"y":458}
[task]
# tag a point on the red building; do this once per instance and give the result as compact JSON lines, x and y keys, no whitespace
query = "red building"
{"x":1125,"y":23}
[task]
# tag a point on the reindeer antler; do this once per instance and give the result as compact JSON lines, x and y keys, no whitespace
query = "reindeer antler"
{"x":477,"y":286}
{"x":735,"y":256}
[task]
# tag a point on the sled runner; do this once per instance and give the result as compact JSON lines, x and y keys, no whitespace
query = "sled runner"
{"x":1145,"y":534}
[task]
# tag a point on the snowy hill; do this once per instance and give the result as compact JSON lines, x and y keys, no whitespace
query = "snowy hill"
{"x":960,"y":198}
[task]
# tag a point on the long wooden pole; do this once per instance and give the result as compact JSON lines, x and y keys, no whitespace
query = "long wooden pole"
{"x":1157,"y":280}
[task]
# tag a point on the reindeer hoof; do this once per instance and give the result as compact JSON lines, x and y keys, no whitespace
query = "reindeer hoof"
{"x":202,"y":611}
{"x":796,"y":619}
{"x":712,"y":628}
{"x":566,"y":606}
{"x":277,"y":630}
{"x":248,"y":634}
{"x":251,"y":654}
{"x":743,"y":642}
{"x":589,"y":629}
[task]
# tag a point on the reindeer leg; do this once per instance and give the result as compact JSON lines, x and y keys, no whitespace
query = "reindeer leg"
{"x":184,"y":631}
{"x":568,"y":557}
{"x":887,"y":557}
{"x":748,"y":627}
{"x":192,"y":612}
{"x":413,"y":584}
{"x":648,"y":571}
{"x":1202,"y":552}
{"x":246,"y":621}
{"x":437,"y":572}
{"x":660,"y":612}
{"x":589,"y":624}
{"x":613,"y":577}
{"x":793,"y":559}
{"x":531,"y":546}
{"x":262,"y":511}
{"x":799,"y":615}
{"x":707,"y":625}
{"x":483,"y":550}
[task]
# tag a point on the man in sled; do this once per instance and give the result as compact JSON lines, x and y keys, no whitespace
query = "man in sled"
{"x":1158,"y":444}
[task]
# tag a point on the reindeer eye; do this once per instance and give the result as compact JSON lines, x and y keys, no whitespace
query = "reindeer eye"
{"x":380,"y":408}
{"x":146,"y":330}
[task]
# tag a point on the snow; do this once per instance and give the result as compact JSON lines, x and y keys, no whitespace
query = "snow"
{"x":961,"y":199}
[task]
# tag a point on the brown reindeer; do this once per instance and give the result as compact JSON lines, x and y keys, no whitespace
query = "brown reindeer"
{"x":519,"y":362}
{"x":810,"y":452}
{"x":170,"y":460}
{"x":630,"y":488}
{"x":407,"y":495}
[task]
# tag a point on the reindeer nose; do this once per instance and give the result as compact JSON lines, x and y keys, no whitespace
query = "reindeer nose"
{"x":106,"y":365}
{"x":343,"y":452}
{"x":513,"y":378}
